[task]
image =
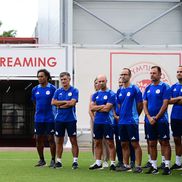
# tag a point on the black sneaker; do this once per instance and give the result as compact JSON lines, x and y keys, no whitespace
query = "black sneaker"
{"x":58,"y":165}
{"x":147,"y":165}
{"x":123,"y":168}
{"x":95,"y":166}
{"x":166,"y":171}
{"x":52,"y":163}
{"x":162,"y":166}
{"x":152,"y":171}
{"x":138,"y":170}
{"x":119,"y":164}
{"x":175,"y":166}
{"x":74,"y":165}
{"x":112,"y":167}
{"x":41,"y":163}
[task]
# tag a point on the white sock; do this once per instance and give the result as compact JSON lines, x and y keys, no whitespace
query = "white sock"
{"x":178,"y":160}
{"x":113,"y":162}
{"x":58,"y":160}
{"x":99,"y":162}
{"x":154,"y":164}
{"x":167,"y":163}
{"x":163,"y":159}
{"x":75,"y":159}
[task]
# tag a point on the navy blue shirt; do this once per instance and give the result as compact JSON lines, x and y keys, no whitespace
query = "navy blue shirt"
{"x":66,"y":114}
{"x":128,"y":98}
{"x":42,"y":97}
{"x":176,"y":91}
{"x":155,"y":95}
{"x":102,"y":98}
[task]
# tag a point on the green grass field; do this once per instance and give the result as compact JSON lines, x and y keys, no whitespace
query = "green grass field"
{"x":18,"y":166}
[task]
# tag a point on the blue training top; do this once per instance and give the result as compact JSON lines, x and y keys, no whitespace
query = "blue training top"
{"x":102,"y":98}
{"x":42,"y":97}
{"x":128,"y":98}
{"x":155,"y":95}
{"x":66,"y":114}
{"x":176,"y":91}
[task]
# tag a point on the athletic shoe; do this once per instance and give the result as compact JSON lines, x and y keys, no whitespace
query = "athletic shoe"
{"x":175,"y":166}
{"x":95,"y":166}
{"x":58,"y":165}
{"x":92,"y":164}
{"x":162,"y":166}
{"x":74,"y":165}
{"x":138,"y":170}
{"x":152,"y":171}
{"x":119,"y":164}
{"x":166,"y":171}
{"x":132,"y":164}
{"x":52,"y":163}
{"x":112,"y":167}
{"x":41,"y":163}
{"x":105,"y":164}
{"x":147,"y":165}
{"x":123,"y":168}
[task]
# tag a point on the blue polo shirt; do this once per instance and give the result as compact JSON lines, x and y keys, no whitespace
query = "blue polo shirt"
{"x":102,"y":98}
{"x":66,"y":114}
{"x":176,"y":91}
{"x":128,"y":98}
{"x":155,"y":95}
{"x":42,"y":97}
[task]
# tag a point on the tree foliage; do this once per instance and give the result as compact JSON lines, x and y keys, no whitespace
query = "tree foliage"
{"x":9,"y":33}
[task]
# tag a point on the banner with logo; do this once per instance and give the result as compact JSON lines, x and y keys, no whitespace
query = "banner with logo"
{"x":89,"y":63}
{"x":26,"y":61}
{"x":140,"y":63}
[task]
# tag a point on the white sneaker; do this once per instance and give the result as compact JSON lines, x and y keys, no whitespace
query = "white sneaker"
{"x":93,"y":164}
{"x":105,"y":164}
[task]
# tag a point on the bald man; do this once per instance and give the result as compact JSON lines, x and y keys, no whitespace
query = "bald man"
{"x":102,"y":104}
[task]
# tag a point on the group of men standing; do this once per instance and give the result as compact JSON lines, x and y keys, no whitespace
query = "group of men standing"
{"x":49,"y":124}
{"x":130,"y":104}
{"x":124,"y":107}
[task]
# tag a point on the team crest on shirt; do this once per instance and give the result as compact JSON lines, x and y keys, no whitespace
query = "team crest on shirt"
{"x":70,"y":94}
{"x":157,"y":91}
{"x":141,"y":74}
{"x":48,"y":92}
{"x":128,"y":94}
{"x":105,"y":97}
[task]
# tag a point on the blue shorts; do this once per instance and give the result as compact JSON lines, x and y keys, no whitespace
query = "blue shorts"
{"x":44,"y":128}
{"x":128,"y":132}
{"x":176,"y":127}
{"x":103,"y":130}
{"x":60,"y":128}
{"x":158,"y":131}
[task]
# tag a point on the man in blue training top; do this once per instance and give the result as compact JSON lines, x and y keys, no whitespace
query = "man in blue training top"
{"x":176,"y":117}
{"x":129,"y":99}
{"x":156,"y":98}
{"x":44,"y":119}
{"x":65,"y":98}
{"x":102,"y":104}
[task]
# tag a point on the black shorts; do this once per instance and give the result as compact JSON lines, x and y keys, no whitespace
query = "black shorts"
{"x":60,"y":128}
{"x":176,"y":127}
